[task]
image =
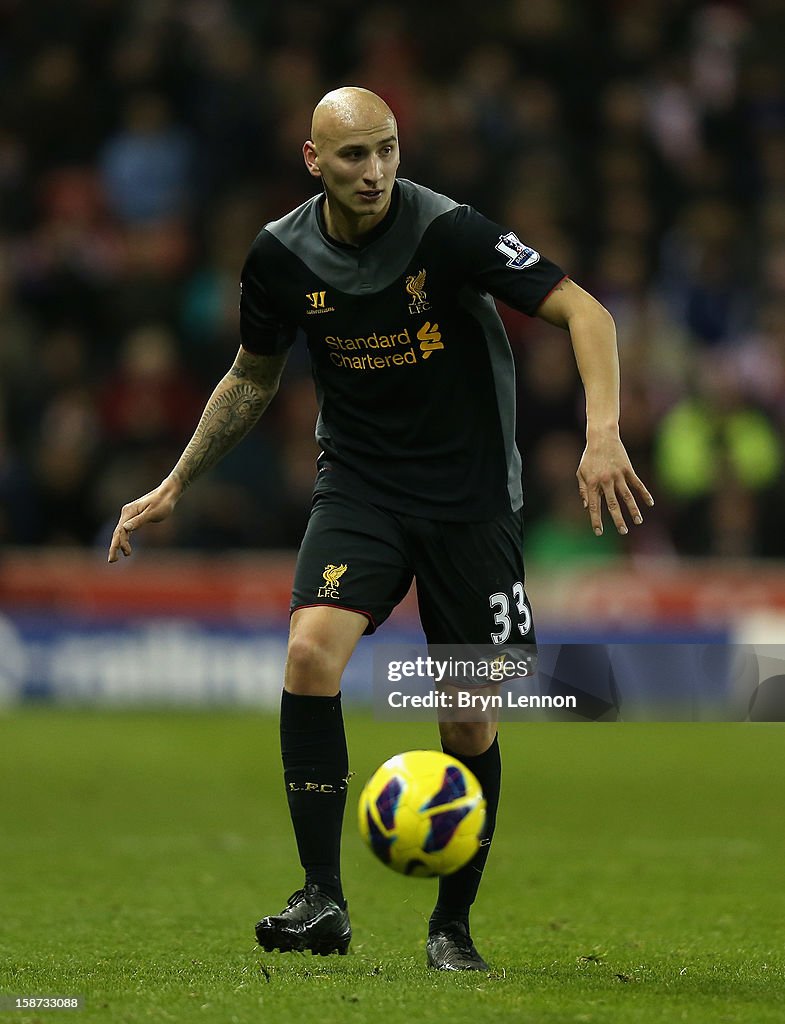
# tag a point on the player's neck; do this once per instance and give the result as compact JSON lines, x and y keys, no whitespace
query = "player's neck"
{"x":348,"y":228}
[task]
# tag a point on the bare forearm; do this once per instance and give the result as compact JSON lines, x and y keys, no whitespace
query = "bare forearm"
{"x":593,"y":335}
{"x":234,"y":407}
{"x":605,"y":472}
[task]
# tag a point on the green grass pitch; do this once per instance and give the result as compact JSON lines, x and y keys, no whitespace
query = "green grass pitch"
{"x":637,"y":876}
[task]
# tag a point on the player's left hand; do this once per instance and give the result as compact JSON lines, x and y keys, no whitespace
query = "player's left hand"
{"x":605,"y":473}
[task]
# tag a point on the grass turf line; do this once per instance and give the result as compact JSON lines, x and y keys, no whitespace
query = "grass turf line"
{"x":636,"y":876}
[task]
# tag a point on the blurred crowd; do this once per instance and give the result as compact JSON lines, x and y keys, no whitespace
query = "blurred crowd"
{"x":640,"y":145}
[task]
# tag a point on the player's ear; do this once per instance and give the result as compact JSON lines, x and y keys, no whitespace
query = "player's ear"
{"x":311,"y":159}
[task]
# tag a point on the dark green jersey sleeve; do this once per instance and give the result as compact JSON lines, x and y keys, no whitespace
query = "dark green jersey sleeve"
{"x":263,"y":329}
{"x":495,"y":260}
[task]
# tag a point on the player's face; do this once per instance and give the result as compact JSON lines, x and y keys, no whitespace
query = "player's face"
{"x":358,"y":170}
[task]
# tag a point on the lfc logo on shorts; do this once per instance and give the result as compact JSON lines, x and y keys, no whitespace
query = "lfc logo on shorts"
{"x":332,"y":580}
{"x":415,"y":286}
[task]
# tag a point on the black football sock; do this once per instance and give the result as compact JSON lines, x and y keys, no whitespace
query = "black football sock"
{"x":457,"y":892}
{"x":315,"y":767}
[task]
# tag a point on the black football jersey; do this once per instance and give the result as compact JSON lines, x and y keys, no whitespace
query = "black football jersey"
{"x":413,"y":369}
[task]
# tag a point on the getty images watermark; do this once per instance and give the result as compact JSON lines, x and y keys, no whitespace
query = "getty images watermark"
{"x":678,"y":682}
{"x":460,"y":682}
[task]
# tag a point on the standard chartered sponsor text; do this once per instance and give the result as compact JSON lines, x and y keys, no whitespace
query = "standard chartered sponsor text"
{"x":374,"y":349}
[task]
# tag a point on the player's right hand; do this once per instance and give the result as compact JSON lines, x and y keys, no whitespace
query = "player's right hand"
{"x":152,"y":507}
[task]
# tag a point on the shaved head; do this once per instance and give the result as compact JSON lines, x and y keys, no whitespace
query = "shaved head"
{"x":353,"y":149}
{"x":347,"y":111}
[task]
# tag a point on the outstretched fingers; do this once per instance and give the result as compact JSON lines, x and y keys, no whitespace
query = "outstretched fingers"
{"x":609,"y":485}
{"x":629,"y":499}
{"x":130,"y":519}
{"x":617,"y":491}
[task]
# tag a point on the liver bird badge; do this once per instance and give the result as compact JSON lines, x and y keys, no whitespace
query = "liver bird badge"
{"x":415,"y":286}
{"x":332,"y":574}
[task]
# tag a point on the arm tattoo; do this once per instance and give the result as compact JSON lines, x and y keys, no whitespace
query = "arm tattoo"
{"x":240,"y":373}
{"x":234,"y":407}
{"x":263,"y":371}
{"x":227,"y":418}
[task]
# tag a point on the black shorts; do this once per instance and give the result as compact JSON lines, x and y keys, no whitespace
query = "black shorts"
{"x":470,"y":576}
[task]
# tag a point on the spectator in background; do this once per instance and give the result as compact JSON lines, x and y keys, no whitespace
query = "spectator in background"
{"x":148,"y":400}
{"x":65,"y":465}
{"x":208,"y":303}
{"x":55,"y":108}
{"x":719,"y":458}
{"x":148,"y":167}
{"x":73,"y":253}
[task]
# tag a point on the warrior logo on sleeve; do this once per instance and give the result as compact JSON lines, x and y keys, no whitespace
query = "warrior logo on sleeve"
{"x":518,"y":255}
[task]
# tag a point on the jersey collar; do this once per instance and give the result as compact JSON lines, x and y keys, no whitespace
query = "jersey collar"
{"x":381,"y":228}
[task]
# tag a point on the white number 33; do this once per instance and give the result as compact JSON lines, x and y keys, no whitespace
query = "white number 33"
{"x":500,"y":606}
